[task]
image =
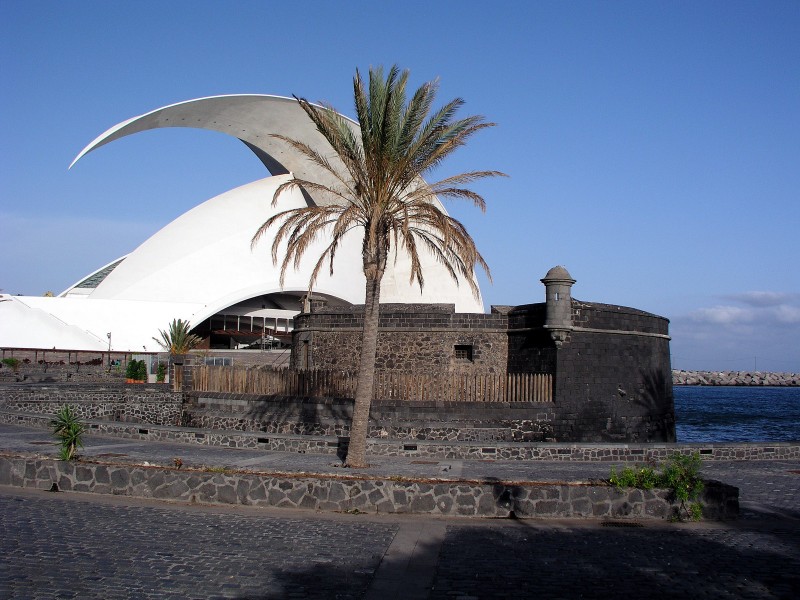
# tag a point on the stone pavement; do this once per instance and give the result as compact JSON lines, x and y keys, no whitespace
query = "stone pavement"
{"x":68,"y":545}
{"x":102,"y":547}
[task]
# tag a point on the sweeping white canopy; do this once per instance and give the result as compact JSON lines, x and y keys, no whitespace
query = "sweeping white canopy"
{"x":201,"y":263}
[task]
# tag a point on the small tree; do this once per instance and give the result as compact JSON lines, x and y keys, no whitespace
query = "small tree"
{"x":141,"y":371}
{"x":132,"y":370}
{"x":177,"y":339}
{"x":13,"y":363}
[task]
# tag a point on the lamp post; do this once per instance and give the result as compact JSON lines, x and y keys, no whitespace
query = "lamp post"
{"x":108,"y":335}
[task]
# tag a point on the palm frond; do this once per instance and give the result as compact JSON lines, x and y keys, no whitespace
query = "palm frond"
{"x":176,"y":339}
{"x":378,"y":171}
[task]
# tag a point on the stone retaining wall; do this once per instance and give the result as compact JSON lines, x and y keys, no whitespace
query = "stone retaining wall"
{"x":430,"y":497}
{"x":154,"y":404}
{"x":389,"y":419}
{"x":620,"y":453}
{"x":65,"y":366}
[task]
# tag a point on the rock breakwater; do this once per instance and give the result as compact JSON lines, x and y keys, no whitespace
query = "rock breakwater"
{"x":734,"y":378}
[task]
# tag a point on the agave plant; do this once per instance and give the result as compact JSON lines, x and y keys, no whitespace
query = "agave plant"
{"x":177,"y":339}
{"x":68,"y":428}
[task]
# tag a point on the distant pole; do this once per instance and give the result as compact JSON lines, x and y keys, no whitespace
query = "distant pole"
{"x":108,"y":335}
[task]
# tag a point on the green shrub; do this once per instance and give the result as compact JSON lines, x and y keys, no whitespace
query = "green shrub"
{"x":141,"y":371}
{"x":12,"y":363}
{"x":69,"y":429}
{"x":132,"y":369}
{"x":161,"y":372}
{"x":627,"y":478}
{"x":680,"y":475}
{"x":136,"y":370}
{"x":644,"y":477}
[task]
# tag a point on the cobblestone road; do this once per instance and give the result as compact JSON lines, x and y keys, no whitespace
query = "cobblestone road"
{"x":71,"y":546}
{"x":55,"y":547}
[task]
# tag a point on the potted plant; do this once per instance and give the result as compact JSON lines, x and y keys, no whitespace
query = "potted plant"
{"x":141,"y":372}
{"x":131,"y":371}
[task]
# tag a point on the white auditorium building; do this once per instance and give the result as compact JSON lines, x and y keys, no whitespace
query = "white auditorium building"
{"x":230,"y":293}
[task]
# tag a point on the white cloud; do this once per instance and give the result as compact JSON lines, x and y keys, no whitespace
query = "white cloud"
{"x":763,"y":298}
{"x":762,"y":308}
{"x":723,"y":315}
{"x":753,"y":329}
{"x":787,"y":314}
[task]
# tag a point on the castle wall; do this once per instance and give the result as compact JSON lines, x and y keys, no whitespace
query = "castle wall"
{"x":611,"y":364}
{"x":530,"y":347}
{"x":413,"y":338}
{"x":612,"y":371}
{"x":613,"y":378}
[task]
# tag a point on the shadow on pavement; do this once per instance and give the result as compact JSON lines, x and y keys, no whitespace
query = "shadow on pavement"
{"x":530,"y":560}
{"x":319,"y":581}
{"x":684,"y":561}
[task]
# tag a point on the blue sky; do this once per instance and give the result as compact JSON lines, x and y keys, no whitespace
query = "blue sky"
{"x":653,"y":148}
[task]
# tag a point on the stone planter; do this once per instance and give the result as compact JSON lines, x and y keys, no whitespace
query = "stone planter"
{"x":454,"y":498}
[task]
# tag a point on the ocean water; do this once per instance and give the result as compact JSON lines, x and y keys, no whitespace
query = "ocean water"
{"x":737,"y":414}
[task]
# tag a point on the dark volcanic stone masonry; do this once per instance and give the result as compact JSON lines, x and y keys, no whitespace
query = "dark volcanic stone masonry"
{"x":610,"y":364}
{"x":455,"y":498}
{"x":138,"y":404}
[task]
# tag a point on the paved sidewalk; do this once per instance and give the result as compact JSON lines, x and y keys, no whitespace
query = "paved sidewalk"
{"x":70,"y":545}
{"x":90,"y":546}
{"x":768,"y":489}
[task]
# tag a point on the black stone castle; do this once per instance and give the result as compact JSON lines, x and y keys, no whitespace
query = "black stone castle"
{"x":608,"y":366}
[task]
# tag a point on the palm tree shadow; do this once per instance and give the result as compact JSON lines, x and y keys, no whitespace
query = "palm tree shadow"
{"x":304,"y":416}
{"x":656,"y":398}
{"x":533,"y":560}
{"x":529,"y":559}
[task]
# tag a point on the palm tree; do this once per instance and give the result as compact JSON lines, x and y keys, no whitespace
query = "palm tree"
{"x":177,"y":339}
{"x":379,"y":190}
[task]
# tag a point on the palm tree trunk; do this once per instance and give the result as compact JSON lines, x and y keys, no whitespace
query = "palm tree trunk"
{"x":357,"y":451}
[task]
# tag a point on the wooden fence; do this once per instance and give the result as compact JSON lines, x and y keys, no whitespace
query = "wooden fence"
{"x":512,"y":387}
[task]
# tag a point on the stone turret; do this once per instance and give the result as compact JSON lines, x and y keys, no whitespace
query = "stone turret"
{"x":558,"y":297}
{"x":312,"y":304}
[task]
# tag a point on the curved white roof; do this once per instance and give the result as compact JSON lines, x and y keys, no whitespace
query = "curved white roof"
{"x":204,"y":257}
{"x":254,"y":119}
{"x":202,"y":263}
